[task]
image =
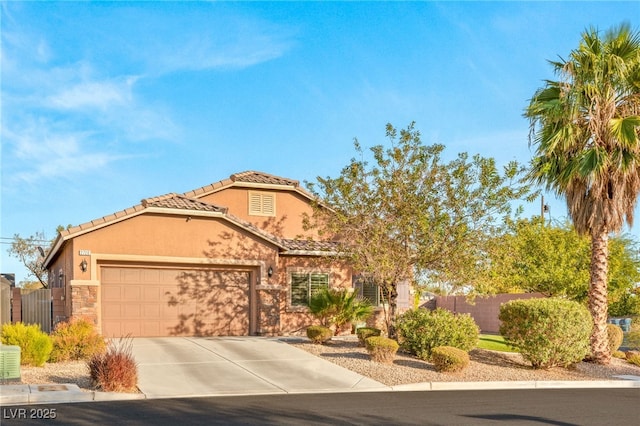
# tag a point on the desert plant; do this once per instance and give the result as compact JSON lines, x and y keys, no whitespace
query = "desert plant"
{"x":381,"y":349}
{"x":338,"y":307}
{"x":76,"y":339}
{"x":619,"y":355}
{"x":421,"y":330}
{"x":547,"y":332}
{"x":616,"y":335}
{"x":632,"y":340}
{"x":449,"y":359}
{"x":319,"y":334}
{"x":634,"y":358}
{"x":365,"y":332}
{"x":35,"y":345}
{"x":115,"y":369}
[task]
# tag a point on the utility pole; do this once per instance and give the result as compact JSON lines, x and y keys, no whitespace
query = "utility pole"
{"x":544,"y":208}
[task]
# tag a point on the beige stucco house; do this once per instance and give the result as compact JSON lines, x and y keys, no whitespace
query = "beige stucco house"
{"x":230,"y":258}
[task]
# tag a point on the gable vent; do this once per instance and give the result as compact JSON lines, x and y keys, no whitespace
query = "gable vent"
{"x":262,"y":204}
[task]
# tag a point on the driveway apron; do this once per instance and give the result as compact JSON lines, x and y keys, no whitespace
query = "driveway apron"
{"x":208,"y":366}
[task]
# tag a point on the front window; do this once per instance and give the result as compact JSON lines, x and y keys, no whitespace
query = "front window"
{"x":368,"y":290}
{"x":305,"y":285}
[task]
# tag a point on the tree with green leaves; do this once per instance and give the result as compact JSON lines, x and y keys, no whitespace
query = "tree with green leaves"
{"x":410,"y":214}
{"x":534,"y":257}
{"x":31,"y":254}
{"x":555,"y":260}
{"x":585,"y":127}
{"x":624,"y":276}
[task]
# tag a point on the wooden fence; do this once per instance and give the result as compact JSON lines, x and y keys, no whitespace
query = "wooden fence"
{"x":5,"y":303}
{"x":36,"y":309}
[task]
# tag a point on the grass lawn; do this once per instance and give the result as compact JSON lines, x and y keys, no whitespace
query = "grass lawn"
{"x":494,"y":342}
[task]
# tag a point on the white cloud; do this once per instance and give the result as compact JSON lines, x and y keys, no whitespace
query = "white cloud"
{"x":43,"y":51}
{"x":64,"y":104}
{"x":43,"y":152}
{"x":93,"y":94}
{"x":211,"y":42}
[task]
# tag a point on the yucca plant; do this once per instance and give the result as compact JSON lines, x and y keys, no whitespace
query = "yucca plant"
{"x":337,"y":308}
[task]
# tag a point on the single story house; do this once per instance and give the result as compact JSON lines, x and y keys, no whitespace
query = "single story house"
{"x":230,"y":258}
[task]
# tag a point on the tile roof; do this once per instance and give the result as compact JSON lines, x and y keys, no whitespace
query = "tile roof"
{"x":180,"y":202}
{"x":171,"y":201}
{"x":189,"y":201}
{"x":260,"y":177}
{"x":310,"y":245}
{"x":249,"y":177}
{"x":102,"y":221}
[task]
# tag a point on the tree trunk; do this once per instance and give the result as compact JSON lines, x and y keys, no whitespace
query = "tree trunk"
{"x":598,"y":296}
{"x":393,"y":311}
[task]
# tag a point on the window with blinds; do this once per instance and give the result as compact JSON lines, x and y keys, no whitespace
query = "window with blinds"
{"x":369,"y":290}
{"x":262,"y":204}
{"x":304,"y":286}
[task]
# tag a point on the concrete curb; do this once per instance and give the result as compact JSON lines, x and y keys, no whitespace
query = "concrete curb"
{"x":57,"y":394}
{"x":65,"y":393}
{"x":514,"y":385}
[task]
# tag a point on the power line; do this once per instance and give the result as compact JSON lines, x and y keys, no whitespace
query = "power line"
{"x":34,"y":240}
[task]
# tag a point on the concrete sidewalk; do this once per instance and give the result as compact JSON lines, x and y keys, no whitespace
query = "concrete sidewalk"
{"x":193,"y":367}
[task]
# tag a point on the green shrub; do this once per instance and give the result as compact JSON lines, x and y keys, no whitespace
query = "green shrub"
{"x":338,"y":307}
{"x":365,"y":332}
{"x":633,"y":339}
{"x":421,"y":330}
{"x":547,"y":332}
{"x":619,"y":354}
{"x":449,"y":359}
{"x":381,"y":349}
{"x":627,"y":304}
{"x":35,"y":345}
{"x":319,"y":334}
{"x":115,"y":369}
{"x":76,"y":339}
{"x":634,"y":359}
{"x":616,"y":335}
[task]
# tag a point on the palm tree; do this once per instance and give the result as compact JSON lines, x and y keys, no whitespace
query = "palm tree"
{"x":586,"y":130}
{"x":338,"y":307}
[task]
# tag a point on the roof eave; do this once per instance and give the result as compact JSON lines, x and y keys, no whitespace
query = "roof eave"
{"x":309,"y":253}
{"x":60,"y":240}
{"x":264,"y":236}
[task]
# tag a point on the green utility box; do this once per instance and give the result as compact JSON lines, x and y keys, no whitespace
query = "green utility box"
{"x":9,"y":362}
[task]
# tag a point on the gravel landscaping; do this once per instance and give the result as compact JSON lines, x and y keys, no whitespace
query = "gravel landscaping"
{"x":485,"y":366}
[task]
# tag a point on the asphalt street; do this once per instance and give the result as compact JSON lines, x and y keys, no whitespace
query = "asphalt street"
{"x":561,"y":407}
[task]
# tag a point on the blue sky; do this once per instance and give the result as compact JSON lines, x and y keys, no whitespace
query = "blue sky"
{"x":107,"y":103}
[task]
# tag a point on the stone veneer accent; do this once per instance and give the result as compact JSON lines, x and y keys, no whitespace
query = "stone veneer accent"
{"x":84,"y":302}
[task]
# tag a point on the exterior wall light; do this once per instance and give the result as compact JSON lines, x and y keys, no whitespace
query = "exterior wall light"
{"x":270,"y":271}
{"x":83,"y":265}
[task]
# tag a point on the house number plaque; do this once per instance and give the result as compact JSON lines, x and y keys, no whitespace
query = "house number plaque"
{"x":85,"y":252}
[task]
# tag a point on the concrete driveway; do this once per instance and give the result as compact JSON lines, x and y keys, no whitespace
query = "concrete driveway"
{"x":207,"y":366}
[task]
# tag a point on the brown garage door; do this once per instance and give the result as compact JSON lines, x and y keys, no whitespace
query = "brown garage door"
{"x":174,"y":302}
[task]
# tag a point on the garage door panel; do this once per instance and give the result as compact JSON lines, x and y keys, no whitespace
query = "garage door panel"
{"x":111,"y":311}
{"x":150,"y":276}
{"x":174,"y":302}
{"x":132,"y":311}
{"x":111,"y":293}
{"x":130,"y":275}
{"x":132,"y":293}
{"x":153,"y":294}
{"x":152,"y":311}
